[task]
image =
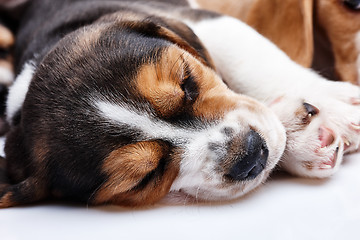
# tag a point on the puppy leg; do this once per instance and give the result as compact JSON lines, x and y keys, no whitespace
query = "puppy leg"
{"x":252,"y":65}
{"x":21,"y":180}
{"x":25,"y":192}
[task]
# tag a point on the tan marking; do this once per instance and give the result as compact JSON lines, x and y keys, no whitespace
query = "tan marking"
{"x":234,"y":8}
{"x":127,"y":166}
{"x":187,"y":33}
{"x":300,"y":112}
{"x":122,"y":16}
{"x":160,"y":84}
{"x":176,"y":39}
{"x":309,"y":165}
{"x":40,"y":150}
{"x":7,"y":39}
{"x":7,"y":64}
{"x":215,"y":98}
{"x":341,"y":26}
{"x":5,"y":200}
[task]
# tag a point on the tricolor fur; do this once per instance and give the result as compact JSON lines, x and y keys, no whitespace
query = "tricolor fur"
{"x":126,"y":103}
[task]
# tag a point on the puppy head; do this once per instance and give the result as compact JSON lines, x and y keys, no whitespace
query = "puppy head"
{"x":153,"y":114}
{"x":224,"y":144}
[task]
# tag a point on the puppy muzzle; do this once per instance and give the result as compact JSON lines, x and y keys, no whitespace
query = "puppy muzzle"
{"x":249,"y":165}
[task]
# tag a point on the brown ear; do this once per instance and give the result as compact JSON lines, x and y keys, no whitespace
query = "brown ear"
{"x":138,"y":174}
{"x":288,"y":24}
{"x":235,"y":8}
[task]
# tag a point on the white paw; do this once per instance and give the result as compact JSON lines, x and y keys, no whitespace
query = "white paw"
{"x":322,"y":124}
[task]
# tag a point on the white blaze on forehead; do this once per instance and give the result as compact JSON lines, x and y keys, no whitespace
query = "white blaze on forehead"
{"x":149,"y":126}
{"x":18,"y":90}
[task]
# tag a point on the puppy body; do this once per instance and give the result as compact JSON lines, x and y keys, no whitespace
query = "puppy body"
{"x":116,"y":103}
{"x":123,"y":105}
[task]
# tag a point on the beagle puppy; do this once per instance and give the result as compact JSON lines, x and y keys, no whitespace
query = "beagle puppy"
{"x":322,"y":34}
{"x":119,"y":102}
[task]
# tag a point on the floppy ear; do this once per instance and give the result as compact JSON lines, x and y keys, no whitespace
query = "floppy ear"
{"x":288,"y":24}
{"x":173,"y":31}
{"x":137,"y":174}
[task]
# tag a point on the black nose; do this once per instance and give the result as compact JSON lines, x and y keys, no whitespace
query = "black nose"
{"x":249,"y":165}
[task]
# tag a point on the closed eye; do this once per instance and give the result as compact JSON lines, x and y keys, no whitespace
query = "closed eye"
{"x":188,"y":85}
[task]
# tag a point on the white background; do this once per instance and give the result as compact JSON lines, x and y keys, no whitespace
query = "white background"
{"x":284,"y":208}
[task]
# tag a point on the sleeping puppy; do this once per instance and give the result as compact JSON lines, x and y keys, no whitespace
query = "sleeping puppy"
{"x":122,"y":102}
{"x":322,"y":34}
{"x":118,"y":104}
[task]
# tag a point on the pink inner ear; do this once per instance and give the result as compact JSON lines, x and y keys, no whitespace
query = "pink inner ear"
{"x":326,"y":136}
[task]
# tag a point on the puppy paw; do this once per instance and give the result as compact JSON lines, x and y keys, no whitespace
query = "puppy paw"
{"x":322,"y":125}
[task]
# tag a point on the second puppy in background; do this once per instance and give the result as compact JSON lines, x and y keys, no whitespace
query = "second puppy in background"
{"x":322,"y":34}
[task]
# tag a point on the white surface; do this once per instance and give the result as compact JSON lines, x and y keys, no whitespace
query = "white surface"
{"x":284,"y":208}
